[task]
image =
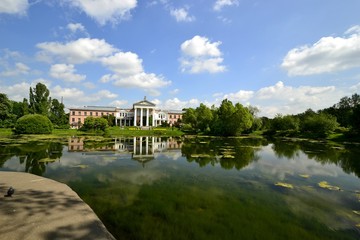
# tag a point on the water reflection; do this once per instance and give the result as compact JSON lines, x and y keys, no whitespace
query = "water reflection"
{"x":34,"y":155}
{"x":229,"y":153}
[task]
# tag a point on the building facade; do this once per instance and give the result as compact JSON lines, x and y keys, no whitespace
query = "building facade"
{"x":144,"y":114}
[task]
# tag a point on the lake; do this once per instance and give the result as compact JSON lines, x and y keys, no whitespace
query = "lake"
{"x":204,"y":188}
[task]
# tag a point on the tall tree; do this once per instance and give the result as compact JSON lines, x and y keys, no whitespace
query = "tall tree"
{"x":5,"y":106}
{"x":204,"y":117}
{"x":40,"y":101}
{"x":57,"y":113}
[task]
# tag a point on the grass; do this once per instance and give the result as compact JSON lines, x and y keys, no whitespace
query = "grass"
{"x":112,"y":131}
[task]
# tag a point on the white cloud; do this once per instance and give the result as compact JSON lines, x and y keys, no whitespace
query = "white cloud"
{"x":219,"y":4}
{"x":66,"y":72}
{"x":176,"y":104}
{"x":78,"y":97}
{"x":79,"y":51}
{"x":119,"y":103}
{"x":104,"y":11}
{"x":76,"y":27}
{"x":201,"y":55}
{"x":329,"y":54}
{"x":200,"y":47}
{"x":355,"y":88}
{"x":181,"y":15}
{"x":239,"y":96}
{"x":124,"y":64}
{"x":20,"y":69}
{"x":141,"y":80}
{"x":14,"y":6}
{"x":175,"y":91}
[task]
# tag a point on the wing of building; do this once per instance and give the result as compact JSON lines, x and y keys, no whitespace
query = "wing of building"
{"x":143,"y":114}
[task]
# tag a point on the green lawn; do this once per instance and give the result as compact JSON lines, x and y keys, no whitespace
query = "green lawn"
{"x":112,"y":131}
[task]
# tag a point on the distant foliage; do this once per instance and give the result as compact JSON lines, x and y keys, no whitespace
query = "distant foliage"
{"x":94,"y":124}
{"x":33,"y":124}
{"x":227,"y":120}
{"x":319,"y":124}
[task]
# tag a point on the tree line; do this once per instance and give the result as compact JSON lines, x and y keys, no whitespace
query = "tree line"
{"x":234,"y":119}
{"x":39,"y":102}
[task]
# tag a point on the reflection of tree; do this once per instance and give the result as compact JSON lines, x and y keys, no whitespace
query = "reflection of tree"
{"x":228,"y":152}
{"x":346,"y":158}
{"x":34,"y":155}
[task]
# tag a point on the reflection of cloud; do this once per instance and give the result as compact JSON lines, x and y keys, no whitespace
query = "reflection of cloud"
{"x":173,"y":155}
{"x":300,"y":164}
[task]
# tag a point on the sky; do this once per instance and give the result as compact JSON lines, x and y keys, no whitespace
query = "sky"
{"x":282,"y":56}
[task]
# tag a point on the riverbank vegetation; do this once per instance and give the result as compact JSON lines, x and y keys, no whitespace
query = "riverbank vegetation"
{"x":341,"y":122}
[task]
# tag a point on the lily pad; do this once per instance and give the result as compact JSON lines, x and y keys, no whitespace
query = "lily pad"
{"x":356,"y":212}
{"x":82,"y":166}
{"x":326,"y":185}
{"x":46,"y":160}
{"x":304,"y":175}
{"x":284,"y":185}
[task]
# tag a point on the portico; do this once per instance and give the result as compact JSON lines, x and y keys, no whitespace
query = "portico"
{"x":144,"y":113}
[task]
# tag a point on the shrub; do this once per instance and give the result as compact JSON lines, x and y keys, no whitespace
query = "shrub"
{"x":95,"y":124}
{"x":33,"y":124}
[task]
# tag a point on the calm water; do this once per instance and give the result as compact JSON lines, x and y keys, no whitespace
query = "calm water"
{"x":204,"y":188}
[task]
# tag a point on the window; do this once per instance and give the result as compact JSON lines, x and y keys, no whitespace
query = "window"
{"x":79,"y":113}
{"x":79,"y":119}
{"x":73,"y":113}
{"x":102,"y":114}
{"x":90,"y":113}
{"x":73,"y":119}
{"x":96,"y":113}
{"x":85,"y":113}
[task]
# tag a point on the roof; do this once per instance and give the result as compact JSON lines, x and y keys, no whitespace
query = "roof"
{"x":95,"y":108}
{"x":174,"y":111}
{"x":145,"y":103}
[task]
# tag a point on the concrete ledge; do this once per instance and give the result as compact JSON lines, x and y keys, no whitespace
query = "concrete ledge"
{"x":45,"y":209}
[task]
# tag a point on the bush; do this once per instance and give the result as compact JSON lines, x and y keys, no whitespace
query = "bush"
{"x":320,"y":124}
{"x":33,"y":124}
{"x":94,"y":124}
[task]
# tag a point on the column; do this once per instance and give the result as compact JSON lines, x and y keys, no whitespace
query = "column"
{"x":141,"y":117}
{"x":147,"y":117}
{"x":135,"y":110}
{"x":147,"y":145}
{"x":153,"y":117}
{"x":134,"y":147}
{"x":141,"y":143}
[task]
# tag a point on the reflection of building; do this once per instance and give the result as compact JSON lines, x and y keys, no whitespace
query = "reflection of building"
{"x":143,"y":114}
{"x":77,"y":145}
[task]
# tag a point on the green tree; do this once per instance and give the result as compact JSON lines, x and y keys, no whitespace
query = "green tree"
{"x":319,"y":124}
{"x":5,"y":106}
{"x":204,"y":117}
{"x":285,"y":123}
{"x":57,"y":113}
{"x":95,"y":124}
{"x":189,"y":117}
{"x":40,"y":101}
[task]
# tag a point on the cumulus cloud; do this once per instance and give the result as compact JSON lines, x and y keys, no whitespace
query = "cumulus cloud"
{"x":239,"y":96}
{"x":19,"y":69}
{"x":126,"y":67}
{"x":119,"y":103}
{"x":201,"y":55}
{"x":79,"y":51}
{"x":220,"y":4}
{"x":124,"y":64}
{"x":181,"y":15}
{"x":329,"y":54}
{"x":66,"y":72}
{"x":104,"y":11}
{"x":79,"y":97}
{"x":177,"y":104}
{"x":18,"y":7}
{"x":76,"y":28}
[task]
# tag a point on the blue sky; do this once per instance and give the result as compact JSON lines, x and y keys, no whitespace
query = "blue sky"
{"x":281,"y":56}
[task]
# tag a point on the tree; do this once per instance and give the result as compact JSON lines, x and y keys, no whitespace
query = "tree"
{"x":285,"y":123}
{"x":5,"y":107}
{"x":204,"y":117}
{"x":40,"y":101}
{"x":189,"y":117}
{"x":57,"y":113}
{"x":231,"y":120}
{"x":319,"y":124}
{"x":95,"y":124}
